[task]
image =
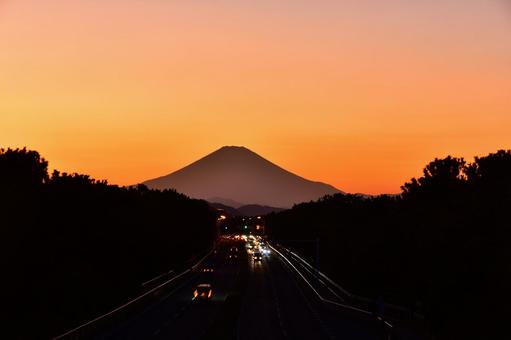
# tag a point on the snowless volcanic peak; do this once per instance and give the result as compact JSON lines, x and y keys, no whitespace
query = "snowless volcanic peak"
{"x":237,"y":174}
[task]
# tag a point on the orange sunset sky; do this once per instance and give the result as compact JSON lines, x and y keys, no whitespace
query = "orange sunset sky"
{"x":360,"y":94}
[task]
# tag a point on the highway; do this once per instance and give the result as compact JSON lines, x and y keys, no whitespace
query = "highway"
{"x":277,"y":298}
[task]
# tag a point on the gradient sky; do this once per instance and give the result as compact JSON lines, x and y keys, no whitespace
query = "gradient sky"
{"x":360,"y":93}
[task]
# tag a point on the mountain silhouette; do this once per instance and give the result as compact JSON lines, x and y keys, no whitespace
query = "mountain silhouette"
{"x":225,"y":201}
{"x":245,"y":210}
{"x":237,"y":174}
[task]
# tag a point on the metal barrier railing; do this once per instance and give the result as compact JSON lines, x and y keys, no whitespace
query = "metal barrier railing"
{"x":98,"y":324}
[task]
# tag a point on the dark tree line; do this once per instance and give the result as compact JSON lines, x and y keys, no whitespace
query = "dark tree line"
{"x":73,"y":247}
{"x":441,"y":248}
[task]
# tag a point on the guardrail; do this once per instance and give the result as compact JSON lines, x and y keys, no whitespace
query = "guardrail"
{"x":344,"y":291}
{"x":388,"y":327}
{"x":90,"y":327}
{"x":391,"y":311}
{"x":148,"y":282}
{"x":316,"y":291}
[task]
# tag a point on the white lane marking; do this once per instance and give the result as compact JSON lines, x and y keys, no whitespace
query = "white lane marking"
{"x":321,"y":297}
{"x":314,"y":312}
{"x":123,"y":306}
{"x":314,"y":289}
{"x":134,"y":300}
{"x":277,"y":304}
{"x":320,"y":273}
{"x":322,"y":282}
{"x":330,"y":280}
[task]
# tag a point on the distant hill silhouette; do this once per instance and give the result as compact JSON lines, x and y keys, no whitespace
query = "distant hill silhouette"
{"x":225,"y":209}
{"x":225,"y":201}
{"x":237,"y":174}
{"x":245,"y":210}
{"x":256,"y":209}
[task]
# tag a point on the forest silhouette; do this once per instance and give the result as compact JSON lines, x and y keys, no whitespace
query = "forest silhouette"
{"x":74,"y":247}
{"x":441,"y":248}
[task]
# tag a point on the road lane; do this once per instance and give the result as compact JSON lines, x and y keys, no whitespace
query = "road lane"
{"x":335,"y":322}
{"x":175,"y":315}
{"x":266,"y":300}
{"x":260,"y":316}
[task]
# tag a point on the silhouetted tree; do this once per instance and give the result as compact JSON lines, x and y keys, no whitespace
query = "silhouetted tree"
{"x":440,"y":176}
{"x":442,"y":245}
{"x":73,"y":247}
{"x":21,"y":169}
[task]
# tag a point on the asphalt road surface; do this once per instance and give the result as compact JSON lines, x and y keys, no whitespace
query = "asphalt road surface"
{"x":272,"y":299}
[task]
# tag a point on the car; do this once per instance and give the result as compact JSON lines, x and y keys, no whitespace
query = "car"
{"x":233,"y":253}
{"x":257,"y":256}
{"x":203,"y":291}
{"x":264,"y":250}
{"x":207,"y":270}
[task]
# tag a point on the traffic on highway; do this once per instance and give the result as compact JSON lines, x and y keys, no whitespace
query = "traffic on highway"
{"x":245,"y":288}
